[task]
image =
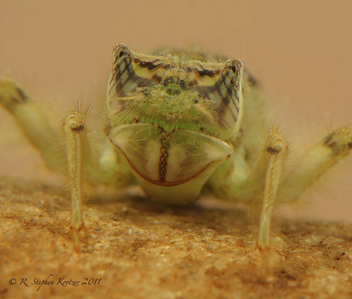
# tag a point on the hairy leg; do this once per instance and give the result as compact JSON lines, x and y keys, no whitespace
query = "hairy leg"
{"x":34,"y":123}
{"x":316,"y":162}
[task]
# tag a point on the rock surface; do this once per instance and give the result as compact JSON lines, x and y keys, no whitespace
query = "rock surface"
{"x":132,"y":248}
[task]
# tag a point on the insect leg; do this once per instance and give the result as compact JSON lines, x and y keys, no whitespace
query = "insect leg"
{"x":317,"y":161}
{"x":267,"y":172}
{"x":73,"y":128}
{"x":33,"y":122}
{"x":84,"y":165}
{"x":47,"y":138}
{"x":276,"y":151}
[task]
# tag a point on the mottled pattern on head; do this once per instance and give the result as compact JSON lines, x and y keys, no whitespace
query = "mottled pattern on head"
{"x":175,"y":89}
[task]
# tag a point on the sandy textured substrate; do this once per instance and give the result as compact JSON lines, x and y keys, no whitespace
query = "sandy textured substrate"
{"x":132,"y":248}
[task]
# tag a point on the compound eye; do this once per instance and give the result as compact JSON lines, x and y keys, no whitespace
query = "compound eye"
{"x":121,"y":52}
{"x":233,"y":70}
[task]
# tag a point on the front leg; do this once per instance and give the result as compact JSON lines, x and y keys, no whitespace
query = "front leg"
{"x":73,"y":128}
{"x":261,"y":183}
{"x":84,"y":165}
{"x":98,"y":165}
{"x":276,"y":151}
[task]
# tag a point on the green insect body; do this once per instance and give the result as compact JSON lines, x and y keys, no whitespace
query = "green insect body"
{"x":175,"y":120}
{"x":179,"y":123}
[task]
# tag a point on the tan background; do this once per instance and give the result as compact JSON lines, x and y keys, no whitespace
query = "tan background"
{"x":299,"y":50}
